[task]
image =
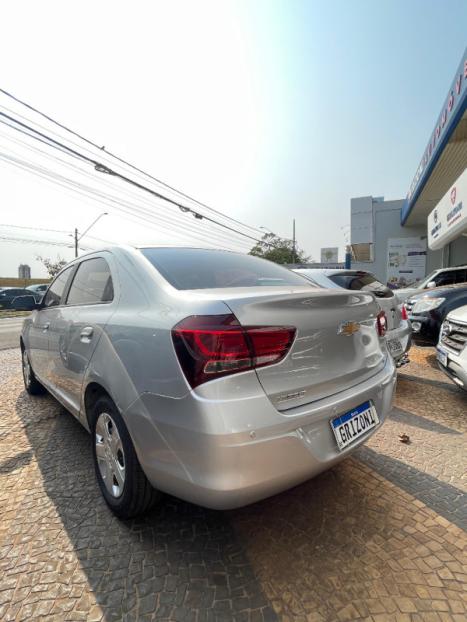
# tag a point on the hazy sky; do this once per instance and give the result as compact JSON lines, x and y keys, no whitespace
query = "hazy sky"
{"x":264,"y":110}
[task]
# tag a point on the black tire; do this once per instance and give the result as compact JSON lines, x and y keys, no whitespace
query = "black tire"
{"x":31,"y":383}
{"x":138,"y":496}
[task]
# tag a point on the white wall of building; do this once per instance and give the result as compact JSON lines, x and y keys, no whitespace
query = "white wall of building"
{"x":380,"y":223}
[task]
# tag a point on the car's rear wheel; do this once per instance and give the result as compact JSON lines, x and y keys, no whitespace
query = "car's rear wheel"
{"x":123,"y":484}
{"x":31,"y":383}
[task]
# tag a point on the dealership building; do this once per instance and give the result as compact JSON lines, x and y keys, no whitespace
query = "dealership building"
{"x":403,"y":240}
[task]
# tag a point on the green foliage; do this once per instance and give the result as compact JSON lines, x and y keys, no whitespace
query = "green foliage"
{"x":279,"y":250}
{"x":52,"y":267}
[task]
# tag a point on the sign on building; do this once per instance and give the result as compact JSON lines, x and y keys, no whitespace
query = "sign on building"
{"x":448,"y":220}
{"x":330,"y":254}
{"x":406,"y":261}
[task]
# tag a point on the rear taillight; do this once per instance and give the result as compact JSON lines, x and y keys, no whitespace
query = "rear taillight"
{"x":210,"y":346}
{"x":381,"y":323}
{"x":404,"y":315}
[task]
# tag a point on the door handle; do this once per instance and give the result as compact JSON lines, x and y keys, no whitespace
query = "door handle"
{"x":45,"y":327}
{"x":86,"y":334}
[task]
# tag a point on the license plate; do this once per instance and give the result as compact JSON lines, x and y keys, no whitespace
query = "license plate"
{"x":442,"y":357}
{"x":354,"y":424}
{"x":395,"y":346}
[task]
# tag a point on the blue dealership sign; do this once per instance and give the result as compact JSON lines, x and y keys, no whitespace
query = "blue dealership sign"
{"x":449,"y":117}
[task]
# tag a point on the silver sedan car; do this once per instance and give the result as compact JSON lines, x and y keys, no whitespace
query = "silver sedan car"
{"x":217,"y":377}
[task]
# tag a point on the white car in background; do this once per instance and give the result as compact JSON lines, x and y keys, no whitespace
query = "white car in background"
{"x":437,"y":278}
{"x":399,"y":331}
{"x":451,"y":351}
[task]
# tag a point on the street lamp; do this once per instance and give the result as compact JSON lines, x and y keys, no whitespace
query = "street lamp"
{"x":77,"y":239}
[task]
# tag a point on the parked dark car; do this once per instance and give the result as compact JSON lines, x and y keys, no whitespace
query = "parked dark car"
{"x":428,"y":310}
{"x":8,"y":295}
{"x":38,"y":290}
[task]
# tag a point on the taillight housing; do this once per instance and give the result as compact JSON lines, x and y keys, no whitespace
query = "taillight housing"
{"x":212,"y":346}
{"x":381,"y":323}
{"x":404,"y":315}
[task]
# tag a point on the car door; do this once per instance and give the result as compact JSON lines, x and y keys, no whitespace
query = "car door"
{"x":75,"y":333}
{"x":41,"y":321}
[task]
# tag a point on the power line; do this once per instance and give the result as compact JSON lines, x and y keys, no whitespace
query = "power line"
{"x":134,"y":197}
{"x":38,"y":241}
{"x":81,"y":189}
{"x":105,"y":169}
{"x":121,"y":160}
{"x":101,"y":154}
{"x":33,"y":228}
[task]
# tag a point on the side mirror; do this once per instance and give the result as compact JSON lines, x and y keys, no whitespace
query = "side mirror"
{"x":25,"y":303}
{"x":430,"y":284}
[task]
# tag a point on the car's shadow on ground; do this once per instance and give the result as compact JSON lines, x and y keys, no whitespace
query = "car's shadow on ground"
{"x":179,"y":561}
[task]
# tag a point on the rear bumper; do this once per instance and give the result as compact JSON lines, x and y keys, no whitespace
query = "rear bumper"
{"x":229,"y":452}
{"x":403,"y":333}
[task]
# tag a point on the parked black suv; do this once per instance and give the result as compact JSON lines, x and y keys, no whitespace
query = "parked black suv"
{"x":428,"y":309}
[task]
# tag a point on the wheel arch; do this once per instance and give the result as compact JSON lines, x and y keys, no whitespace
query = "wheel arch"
{"x":93,"y":392}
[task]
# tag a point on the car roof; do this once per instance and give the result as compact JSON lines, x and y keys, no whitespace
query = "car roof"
{"x":451,"y":268}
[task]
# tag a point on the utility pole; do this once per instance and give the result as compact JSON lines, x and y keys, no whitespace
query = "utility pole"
{"x":77,"y":237}
{"x":293,"y":243}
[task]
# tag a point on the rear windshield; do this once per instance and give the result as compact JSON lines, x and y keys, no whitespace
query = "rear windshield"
{"x":362,"y":281}
{"x":195,"y":268}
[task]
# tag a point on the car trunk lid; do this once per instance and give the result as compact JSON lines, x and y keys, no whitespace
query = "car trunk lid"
{"x":336,"y":344}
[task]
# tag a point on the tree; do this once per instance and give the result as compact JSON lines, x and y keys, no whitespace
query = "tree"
{"x":279,"y":250}
{"x":52,"y":267}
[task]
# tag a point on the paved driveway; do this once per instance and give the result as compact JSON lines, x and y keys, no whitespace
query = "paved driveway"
{"x":378,"y":538}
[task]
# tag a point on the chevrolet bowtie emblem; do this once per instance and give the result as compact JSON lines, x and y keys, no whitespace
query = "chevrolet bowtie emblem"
{"x":348,"y":328}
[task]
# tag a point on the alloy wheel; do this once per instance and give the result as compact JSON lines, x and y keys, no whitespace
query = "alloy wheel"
{"x":110,"y":454}
{"x":26,"y":369}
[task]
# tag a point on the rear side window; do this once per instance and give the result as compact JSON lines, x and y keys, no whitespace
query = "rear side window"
{"x":195,"y":268}
{"x":92,"y":283}
{"x":54,"y":295}
{"x":362,"y":281}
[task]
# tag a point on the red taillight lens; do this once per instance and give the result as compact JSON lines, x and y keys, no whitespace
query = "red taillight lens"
{"x":404,"y":315}
{"x":210,"y":346}
{"x":381,"y":323}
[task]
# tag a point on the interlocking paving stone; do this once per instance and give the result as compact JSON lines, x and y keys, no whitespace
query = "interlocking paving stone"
{"x":377,"y":538}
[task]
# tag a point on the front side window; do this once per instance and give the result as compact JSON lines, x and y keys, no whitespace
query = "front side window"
{"x":92,"y":283}
{"x":53,"y":297}
{"x":445,"y":278}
